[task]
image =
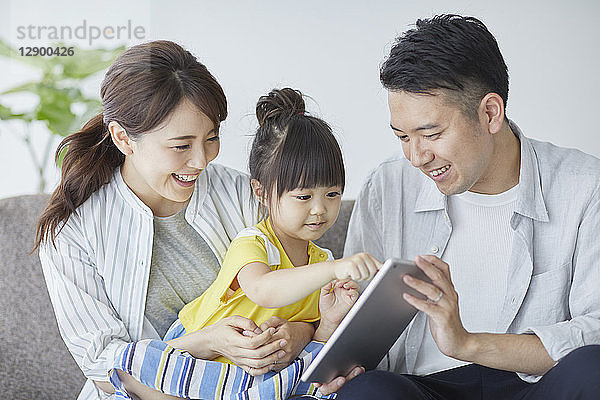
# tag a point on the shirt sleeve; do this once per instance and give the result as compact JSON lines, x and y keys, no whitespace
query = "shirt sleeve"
{"x":242,"y":251}
{"x":364,"y":228}
{"x":584,"y":303}
{"x":88,"y":323}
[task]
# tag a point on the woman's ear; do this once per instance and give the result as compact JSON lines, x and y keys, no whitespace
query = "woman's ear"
{"x":491,"y":112}
{"x":120,"y":138}
{"x":258,"y":191}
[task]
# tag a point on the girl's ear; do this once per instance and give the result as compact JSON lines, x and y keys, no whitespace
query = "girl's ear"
{"x":120,"y":138}
{"x":258,"y":191}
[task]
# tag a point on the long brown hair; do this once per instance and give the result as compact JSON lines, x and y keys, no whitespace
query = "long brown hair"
{"x":140,"y":89}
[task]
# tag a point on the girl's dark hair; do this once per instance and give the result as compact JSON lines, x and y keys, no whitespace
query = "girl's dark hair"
{"x":450,"y":52}
{"x":292,"y":149}
{"x":141,"y":88}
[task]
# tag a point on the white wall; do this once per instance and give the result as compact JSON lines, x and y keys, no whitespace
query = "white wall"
{"x":332,"y":51}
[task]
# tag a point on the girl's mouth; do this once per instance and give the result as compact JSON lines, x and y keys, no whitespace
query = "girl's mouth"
{"x":315,"y":226}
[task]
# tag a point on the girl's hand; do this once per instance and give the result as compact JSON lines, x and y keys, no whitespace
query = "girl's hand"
{"x":359,"y":267}
{"x":336,"y":299}
{"x":256,"y":353}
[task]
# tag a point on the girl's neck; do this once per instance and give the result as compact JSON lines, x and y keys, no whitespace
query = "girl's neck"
{"x":295,"y":249}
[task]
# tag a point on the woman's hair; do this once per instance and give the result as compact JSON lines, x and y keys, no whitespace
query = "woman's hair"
{"x":292,"y":149}
{"x":456,"y":54}
{"x":141,"y":88}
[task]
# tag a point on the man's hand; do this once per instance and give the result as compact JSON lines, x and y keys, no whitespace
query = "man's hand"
{"x":441,"y":305}
{"x":510,"y":352}
{"x":337,"y":383}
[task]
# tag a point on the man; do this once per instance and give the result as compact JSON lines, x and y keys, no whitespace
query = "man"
{"x":506,"y":227}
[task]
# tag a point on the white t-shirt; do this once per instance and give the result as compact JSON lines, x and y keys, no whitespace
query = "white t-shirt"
{"x":478,"y":252}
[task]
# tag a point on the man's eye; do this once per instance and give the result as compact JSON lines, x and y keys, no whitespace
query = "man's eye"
{"x":433,"y":136}
{"x":403,"y":138}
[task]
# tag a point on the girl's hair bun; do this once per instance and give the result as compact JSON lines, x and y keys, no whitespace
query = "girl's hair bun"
{"x":278,"y":104}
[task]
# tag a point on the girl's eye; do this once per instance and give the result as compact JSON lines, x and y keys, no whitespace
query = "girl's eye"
{"x":333,"y":194}
{"x":303,"y":197}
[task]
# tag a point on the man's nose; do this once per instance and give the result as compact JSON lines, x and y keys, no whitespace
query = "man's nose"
{"x":418,"y":155}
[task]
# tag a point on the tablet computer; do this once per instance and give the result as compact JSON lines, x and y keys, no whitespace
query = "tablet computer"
{"x":371,"y":326}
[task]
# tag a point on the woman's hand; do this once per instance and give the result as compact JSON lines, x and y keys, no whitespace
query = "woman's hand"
{"x":237,"y":339}
{"x":336,"y":299}
{"x":292,"y":338}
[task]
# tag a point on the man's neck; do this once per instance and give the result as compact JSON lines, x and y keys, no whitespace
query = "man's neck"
{"x":506,"y":160}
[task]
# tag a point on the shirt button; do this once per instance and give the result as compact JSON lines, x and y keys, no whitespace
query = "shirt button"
{"x":434,"y":249}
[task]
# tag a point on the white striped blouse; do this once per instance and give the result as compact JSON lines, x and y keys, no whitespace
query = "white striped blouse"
{"x":97,"y":274}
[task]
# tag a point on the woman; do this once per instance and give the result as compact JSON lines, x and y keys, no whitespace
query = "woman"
{"x":141,"y":220}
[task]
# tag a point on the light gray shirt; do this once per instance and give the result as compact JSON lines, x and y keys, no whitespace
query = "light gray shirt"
{"x":554,"y":264}
{"x":182,"y":268}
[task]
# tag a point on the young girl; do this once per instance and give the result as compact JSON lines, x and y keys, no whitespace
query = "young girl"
{"x":273,"y":269}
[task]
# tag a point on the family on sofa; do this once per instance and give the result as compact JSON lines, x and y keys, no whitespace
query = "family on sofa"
{"x":172,"y":276}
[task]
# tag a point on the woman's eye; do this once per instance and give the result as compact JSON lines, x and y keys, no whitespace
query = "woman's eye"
{"x":213,"y":139}
{"x":182,"y":147}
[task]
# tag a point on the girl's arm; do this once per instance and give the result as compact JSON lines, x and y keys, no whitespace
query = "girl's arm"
{"x":273,"y":289}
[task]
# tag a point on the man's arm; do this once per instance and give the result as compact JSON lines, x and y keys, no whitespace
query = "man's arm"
{"x":519,"y":353}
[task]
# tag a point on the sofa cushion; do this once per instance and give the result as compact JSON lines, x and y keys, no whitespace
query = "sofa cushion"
{"x":34,"y":361}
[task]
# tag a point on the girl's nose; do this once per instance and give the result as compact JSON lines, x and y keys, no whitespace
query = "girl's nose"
{"x":318,"y":208}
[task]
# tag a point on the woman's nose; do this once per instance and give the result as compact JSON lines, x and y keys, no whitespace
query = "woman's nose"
{"x":198,"y":160}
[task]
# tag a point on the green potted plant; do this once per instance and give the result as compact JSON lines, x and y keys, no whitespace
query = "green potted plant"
{"x":61,"y":105}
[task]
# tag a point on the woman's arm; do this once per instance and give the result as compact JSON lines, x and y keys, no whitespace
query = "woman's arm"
{"x":88,"y":323}
{"x":280,"y":288}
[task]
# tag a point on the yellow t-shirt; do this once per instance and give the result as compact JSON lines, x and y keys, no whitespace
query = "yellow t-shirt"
{"x":258,"y":243}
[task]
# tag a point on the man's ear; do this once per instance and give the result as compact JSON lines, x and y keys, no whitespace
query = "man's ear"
{"x":491,"y":112}
{"x":258,"y":191}
{"x":120,"y":138}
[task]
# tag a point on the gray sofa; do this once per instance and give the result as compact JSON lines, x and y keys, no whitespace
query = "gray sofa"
{"x":34,"y":362}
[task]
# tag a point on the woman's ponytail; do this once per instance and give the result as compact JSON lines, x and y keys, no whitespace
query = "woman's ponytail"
{"x":89,"y":162}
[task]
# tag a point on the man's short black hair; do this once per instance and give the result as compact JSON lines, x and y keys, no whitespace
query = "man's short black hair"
{"x":449,"y":52}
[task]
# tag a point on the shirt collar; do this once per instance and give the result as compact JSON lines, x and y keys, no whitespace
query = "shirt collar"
{"x":128,"y":195}
{"x":530,"y":201}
